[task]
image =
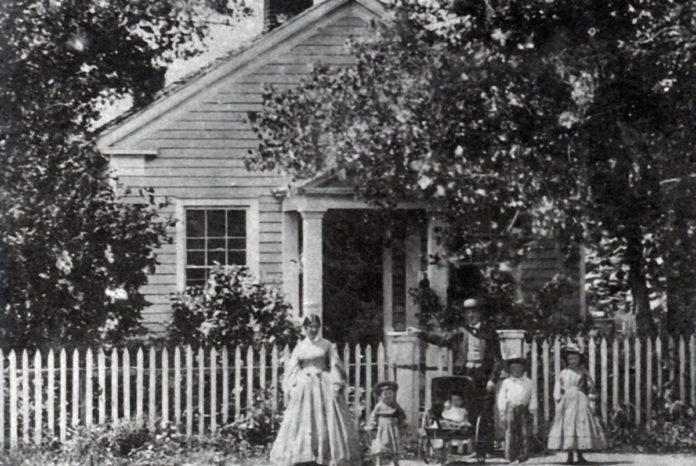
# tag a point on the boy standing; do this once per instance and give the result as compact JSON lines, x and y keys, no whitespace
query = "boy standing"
{"x":517,"y":403}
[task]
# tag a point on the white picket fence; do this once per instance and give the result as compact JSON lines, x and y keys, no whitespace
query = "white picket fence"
{"x":43,"y":396}
{"x":196,"y":391}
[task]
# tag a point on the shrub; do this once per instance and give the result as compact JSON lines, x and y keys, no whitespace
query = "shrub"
{"x":231,"y":307}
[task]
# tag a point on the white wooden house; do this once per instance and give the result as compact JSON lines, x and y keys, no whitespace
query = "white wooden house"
{"x":190,"y":145}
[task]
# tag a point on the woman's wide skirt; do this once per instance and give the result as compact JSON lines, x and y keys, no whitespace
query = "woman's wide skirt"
{"x":575,"y":426}
{"x":317,"y":427}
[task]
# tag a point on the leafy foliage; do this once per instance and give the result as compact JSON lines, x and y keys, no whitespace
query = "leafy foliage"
{"x":232,"y":307}
{"x":520,"y":120}
{"x":73,"y":256}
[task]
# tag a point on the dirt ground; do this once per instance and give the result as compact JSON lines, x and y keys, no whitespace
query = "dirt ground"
{"x":633,"y":459}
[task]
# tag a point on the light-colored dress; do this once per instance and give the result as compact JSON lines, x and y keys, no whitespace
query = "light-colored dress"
{"x":387,"y":421}
{"x":575,"y":426}
{"x":317,"y":426}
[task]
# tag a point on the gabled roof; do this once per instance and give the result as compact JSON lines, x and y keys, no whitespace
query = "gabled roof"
{"x":113,"y":138}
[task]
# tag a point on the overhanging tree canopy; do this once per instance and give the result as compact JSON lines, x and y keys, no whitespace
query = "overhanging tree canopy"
{"x":523,"y":119}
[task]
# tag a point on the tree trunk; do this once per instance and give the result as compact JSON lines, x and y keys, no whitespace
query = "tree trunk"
{"x":639,"y":286}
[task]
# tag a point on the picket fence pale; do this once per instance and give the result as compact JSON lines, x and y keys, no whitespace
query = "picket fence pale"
{"x":44,"y":396}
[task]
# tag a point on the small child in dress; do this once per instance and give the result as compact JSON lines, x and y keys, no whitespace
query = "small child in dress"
{"x":575,"y":427}
{"x":456,"y":416}
{"x":516,"y":405}
{"x":455,"y":413}
{"x":387,"y":420}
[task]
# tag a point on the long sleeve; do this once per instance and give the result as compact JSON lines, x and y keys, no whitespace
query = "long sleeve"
{"x":292,"y":369}
{"x":502,"y":396}
{"x":336,"y":368}
{"x":372,"y":422}
{"x":532,"y":398}
{"x":558,"y":389}
{"x":441,"y":338}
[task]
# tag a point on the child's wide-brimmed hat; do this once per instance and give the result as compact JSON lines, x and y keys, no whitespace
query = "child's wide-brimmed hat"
{"x":571,"y":348}
{"x":511,"y":361}
{"x":377,"y":390}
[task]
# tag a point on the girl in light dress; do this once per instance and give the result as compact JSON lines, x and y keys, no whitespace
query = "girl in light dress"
{"x":387,"y":420}
{"x":317,"y":426}
{"x":575,"y":427}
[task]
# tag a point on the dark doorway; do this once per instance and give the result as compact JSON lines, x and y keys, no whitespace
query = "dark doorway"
{"x":352,"y":304}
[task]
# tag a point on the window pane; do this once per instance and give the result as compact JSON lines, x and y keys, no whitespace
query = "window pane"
{"x":195,"y":276}
{"x":218,"y":243}
{"x":195,"y":223}
{"x":236,"y":258}
{"x":195,"y":244}
{"x":236,"y":243}
{"x":195,"y":258}
{"x":216,"y":223}
{"x":236,"y":223}
{"x":216,"y":256}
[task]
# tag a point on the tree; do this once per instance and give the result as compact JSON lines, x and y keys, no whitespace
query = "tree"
{"x":73,"y":256}
{"x":521,"y":119}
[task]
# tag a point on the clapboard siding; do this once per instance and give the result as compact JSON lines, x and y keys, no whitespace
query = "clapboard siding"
{"x":201,"y":151}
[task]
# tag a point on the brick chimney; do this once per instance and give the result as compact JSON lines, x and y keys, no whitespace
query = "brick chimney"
{"x":276,"y":11}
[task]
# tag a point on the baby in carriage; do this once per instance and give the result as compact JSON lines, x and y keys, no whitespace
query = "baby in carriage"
{"x":454,"y":414}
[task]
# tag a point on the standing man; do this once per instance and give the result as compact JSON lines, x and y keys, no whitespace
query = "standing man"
{"x":476,"y":353}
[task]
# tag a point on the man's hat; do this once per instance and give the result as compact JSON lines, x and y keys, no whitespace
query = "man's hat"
{"x":377,"y":390}
{"x":472,"y":304}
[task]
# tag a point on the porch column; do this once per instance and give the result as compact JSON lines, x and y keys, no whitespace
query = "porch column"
{"x":291,"y":260}
{"x":312,"y":266}
{"x":438,"y":268}
{"x":413,"y":262}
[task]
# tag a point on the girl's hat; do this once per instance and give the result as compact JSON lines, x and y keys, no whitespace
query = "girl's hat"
{"x":571,"y":348}
{"x":377,"y":390}
{"x":511,"y":361}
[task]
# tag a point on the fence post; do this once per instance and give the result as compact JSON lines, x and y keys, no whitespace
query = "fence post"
{"x":101,"y":378}
{"x":682,"y":369}
{"x":201,"y":391}
{"x":250,"y":378}
{"x":637,"y":374}
{"x":535,"y":385}
{"x":177,"y":387}
{"x":63,"y":394}
{"x":114,"y":385}
{"x":189,"y":391}
{"x":51,"y":398}
{"x":658,"y":364}
{"x":237,"y":382}
{"x":25,"y":397}
{"x":139,"y":385}
{"x":593,"y":359}
{"x":616,"y":374}
{"x":627,"y":374}
{"x":76,"y":388}
{"x":38,"y":395}
{"x":226,"y":385}
{"x":356,"y":383}
{"x":368,"y":380}
{"x":381,"y":361}
{"x":346,"y":363}
{"x":88,"y":387}
{"x":165,"y":387}
{"x":605,"y":378}
{"x":648,"y":378}
{"x":274,"y":379}
{"x":13,"y":400}
{"x":692,"y":372}
{"x":213,"y":388}
{"x":545,"y":362}
{"x":152,"y":395}
{"x":126,"y":385}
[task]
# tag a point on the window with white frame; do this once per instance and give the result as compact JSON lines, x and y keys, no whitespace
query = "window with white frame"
{"x":214,"y":236}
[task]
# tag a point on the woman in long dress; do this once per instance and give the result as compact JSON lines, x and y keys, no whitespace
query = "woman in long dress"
{"x":575,"y":427}
{"x":317,"y":427}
